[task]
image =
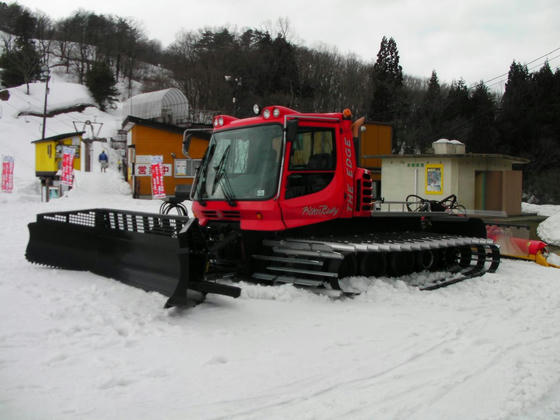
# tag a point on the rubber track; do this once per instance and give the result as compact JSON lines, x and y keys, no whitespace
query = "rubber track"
{"x":313,"y":262}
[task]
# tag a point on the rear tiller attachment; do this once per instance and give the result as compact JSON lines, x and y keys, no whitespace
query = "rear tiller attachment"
{"x":153,"y":252}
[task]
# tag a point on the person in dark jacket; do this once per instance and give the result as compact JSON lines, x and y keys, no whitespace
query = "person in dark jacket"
{"x":104,"y":161}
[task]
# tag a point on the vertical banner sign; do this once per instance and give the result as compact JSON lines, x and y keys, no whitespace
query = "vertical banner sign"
{"x":8,"y":174}
{"x":158,"y":190}
{"x":67,"y":166}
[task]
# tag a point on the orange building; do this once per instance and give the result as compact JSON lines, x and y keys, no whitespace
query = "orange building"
{"x":147,"y":138}
{"x":376,"y":139}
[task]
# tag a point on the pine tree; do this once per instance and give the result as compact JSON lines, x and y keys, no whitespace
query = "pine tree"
{"x":482,"y":136}
{"x":21,"y":61}
{"x":429,"y":115}
{"x":515,"y":123}
{"x":101,"y":83}
{"x":387,"y":83}
{"x":456,"y":112}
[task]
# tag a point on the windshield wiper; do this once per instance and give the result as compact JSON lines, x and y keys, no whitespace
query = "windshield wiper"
{"x":227,"y":190}
{"x":222,"y":178}
{"x":200,"y":188}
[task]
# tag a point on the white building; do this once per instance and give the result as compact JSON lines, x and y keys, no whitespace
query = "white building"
{"x":480,"y":181}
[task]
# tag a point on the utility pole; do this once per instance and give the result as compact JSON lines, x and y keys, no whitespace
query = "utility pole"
{"x":46,"y":76}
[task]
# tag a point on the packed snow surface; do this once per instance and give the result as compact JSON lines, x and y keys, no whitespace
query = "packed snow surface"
{"x":74,"y":345}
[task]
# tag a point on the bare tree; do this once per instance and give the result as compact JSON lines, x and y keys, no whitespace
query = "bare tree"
{"x":45,"y":34}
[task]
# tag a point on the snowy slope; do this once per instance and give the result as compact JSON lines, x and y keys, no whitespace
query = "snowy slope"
{"x":19,"y":129}
{"x":74,"y":345}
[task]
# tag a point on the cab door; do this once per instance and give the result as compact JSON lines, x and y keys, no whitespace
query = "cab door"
{"x":310,"y":190}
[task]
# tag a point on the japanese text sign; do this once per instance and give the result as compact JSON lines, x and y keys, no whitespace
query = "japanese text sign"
{"x":158,"y":189}
{"x":67,"y":175}
{"x":7,"y":174}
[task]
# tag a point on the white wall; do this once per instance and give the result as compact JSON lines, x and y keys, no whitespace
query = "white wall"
{"x":401,"y":176}
{"x":407,"y":175}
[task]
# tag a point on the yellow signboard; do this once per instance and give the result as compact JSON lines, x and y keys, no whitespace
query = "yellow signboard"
{"x":434,"y":179}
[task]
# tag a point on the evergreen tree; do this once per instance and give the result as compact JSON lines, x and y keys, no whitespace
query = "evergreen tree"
{"x":9,"y":14}
{"x":284,"y":70}
{"x":101,"y":83}
{"x":544,"y":146}
{"x":387,"y":81}
{"x":482,"y":135}
{"x":20,"y":61}
{"x":429,"y":114}
{"x":456,"y":112}
{"x":515,"y":123}
{"x":546,"y":102}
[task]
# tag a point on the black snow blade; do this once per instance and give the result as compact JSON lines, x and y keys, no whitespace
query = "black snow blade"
{"x":150,"y":251}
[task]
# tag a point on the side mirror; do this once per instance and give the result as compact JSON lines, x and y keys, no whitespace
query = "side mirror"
{"x":291,"y":130}
{"x":187,"y":143}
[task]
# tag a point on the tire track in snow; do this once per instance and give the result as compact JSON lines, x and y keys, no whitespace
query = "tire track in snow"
{"x":336,"y":387}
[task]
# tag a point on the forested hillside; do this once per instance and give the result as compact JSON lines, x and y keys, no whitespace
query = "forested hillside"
{"x":225,"y":70}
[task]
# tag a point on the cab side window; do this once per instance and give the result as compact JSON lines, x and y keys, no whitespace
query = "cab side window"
{"x":312,"y":161}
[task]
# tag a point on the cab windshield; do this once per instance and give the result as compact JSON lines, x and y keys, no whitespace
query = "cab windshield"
{"x":241,"y":164}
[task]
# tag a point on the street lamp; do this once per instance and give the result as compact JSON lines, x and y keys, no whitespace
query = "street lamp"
{"x":236,"y":83}
{"x":45,"y":75}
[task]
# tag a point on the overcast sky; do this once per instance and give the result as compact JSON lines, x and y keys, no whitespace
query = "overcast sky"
{"x":470,"y":39}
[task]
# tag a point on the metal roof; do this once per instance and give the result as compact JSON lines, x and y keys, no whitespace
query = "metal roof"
{"x":60,"y":136}
{"x":456,"y":156}
{"x":167,"y":105}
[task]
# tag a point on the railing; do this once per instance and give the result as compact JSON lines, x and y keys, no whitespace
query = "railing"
{"x":122,"y":220}
{"x":388,"y":206}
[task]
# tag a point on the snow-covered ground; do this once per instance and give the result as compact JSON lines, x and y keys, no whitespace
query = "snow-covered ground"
{"x":74,"y":345}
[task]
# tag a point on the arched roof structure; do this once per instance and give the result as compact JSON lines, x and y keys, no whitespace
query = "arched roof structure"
{"x":168,"y":106}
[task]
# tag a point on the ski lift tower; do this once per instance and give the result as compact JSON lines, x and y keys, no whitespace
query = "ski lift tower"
{"x":94,"y":128}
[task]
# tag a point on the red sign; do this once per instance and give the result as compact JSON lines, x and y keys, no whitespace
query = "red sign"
{"x":142,"y":170}
{"x":145,"y":169}
{"x":158,"y":189}
{"x":67,"y":175}
{"x":7,"y":174}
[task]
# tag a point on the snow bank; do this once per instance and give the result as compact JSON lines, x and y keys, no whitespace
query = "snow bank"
{"x":554,"y":259}
{"x":549,"y":230}
{"x":61,"y":95}
{"x":540,"y":209}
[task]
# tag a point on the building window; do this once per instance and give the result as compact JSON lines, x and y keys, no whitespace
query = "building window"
{"x":186,"y":168}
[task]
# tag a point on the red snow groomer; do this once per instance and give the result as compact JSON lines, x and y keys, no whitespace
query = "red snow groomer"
{"x":278,"y":198}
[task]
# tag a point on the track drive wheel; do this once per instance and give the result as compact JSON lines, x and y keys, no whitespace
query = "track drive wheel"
{"x":372,"y":264}
{"x":345,"y":268}
{"x":401,"y":263}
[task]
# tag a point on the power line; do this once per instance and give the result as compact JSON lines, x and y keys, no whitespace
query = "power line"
{"x":530,"y":62}
{"x":542,"y":56}
{"x":503,"y":78}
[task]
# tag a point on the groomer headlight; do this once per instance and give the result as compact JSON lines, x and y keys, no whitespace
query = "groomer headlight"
{"x":221,"y":121}
{"x":256,"y":109}
{"x":276,"y":113}
{"x":266,"y":114}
